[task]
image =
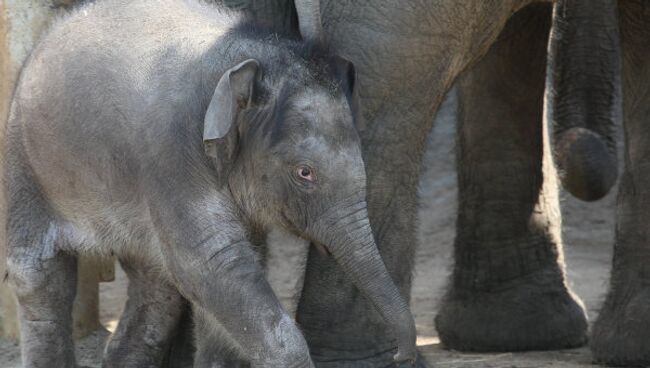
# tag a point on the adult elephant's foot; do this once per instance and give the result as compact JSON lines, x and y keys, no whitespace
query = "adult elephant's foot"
{"x":380,"y":360}
{"x":535,"y":312}
{"x":621,"y":334}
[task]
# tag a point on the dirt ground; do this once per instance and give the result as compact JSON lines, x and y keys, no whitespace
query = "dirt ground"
{"x":588,"y":237}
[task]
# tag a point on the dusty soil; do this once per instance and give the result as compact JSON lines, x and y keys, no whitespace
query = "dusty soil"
{"x":588,"y":235}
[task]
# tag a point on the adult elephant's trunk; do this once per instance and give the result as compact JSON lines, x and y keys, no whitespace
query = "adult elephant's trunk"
{"x":585,"y":69}
{"x":350,"y":241}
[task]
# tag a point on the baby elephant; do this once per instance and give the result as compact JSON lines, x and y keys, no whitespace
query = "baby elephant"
{"x":173,"y":134}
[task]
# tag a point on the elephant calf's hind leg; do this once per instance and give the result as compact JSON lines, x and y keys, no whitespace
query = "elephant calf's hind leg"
{"x":44,"y":279}
{"x":147,"y":325}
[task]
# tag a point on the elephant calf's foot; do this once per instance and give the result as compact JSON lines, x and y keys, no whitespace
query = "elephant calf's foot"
{"x":621,"y":334}
{"x":522,"y":314}
{"x":382,"y":360}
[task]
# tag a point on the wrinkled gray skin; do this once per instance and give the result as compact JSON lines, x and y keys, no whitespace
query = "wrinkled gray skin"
{"x":165,"y":133}
{"x":508,"y":242}
{"x":621,"y":334}
{"x":507,"y":289}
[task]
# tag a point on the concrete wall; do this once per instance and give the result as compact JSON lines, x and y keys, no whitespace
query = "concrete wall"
{"x":21,"y":24}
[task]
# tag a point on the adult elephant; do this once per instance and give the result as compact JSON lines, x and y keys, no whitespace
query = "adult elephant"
{"x":507,"y":290}
{"x":621,"y":333}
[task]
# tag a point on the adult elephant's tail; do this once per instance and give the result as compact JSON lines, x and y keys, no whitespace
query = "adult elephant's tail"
{"x":584,"y":70}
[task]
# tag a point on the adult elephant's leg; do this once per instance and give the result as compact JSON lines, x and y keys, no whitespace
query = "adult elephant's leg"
{"x":407,"y":55}
{"x":507,"y":289}
{"x":399,"y":97}
{"x":342,"y":327}
{"x":621,"y":334}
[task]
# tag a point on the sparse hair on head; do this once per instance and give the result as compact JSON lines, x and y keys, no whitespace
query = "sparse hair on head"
{"x":316,"y":56}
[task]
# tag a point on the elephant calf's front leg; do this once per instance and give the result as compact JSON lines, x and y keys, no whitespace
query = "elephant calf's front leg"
{"x":226,"y":285}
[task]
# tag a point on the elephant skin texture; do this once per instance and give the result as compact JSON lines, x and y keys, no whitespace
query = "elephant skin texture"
{"x":507,"y":290}
{"x":174,"y":135}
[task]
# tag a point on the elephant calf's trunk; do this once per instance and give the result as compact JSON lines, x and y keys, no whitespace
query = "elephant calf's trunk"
{"x":370,"y":275}
{"x":351,"y":243}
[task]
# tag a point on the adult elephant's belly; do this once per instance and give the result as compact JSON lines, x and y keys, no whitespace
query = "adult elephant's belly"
{"x":411,"y":52}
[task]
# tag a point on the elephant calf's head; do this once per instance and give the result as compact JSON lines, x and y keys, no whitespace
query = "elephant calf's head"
{"x":287,"y":139}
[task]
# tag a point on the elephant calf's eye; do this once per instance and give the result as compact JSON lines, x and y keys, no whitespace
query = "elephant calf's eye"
{"x":305,"y":173}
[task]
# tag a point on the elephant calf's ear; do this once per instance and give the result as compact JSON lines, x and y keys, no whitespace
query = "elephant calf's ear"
{"x":233,"y":93}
